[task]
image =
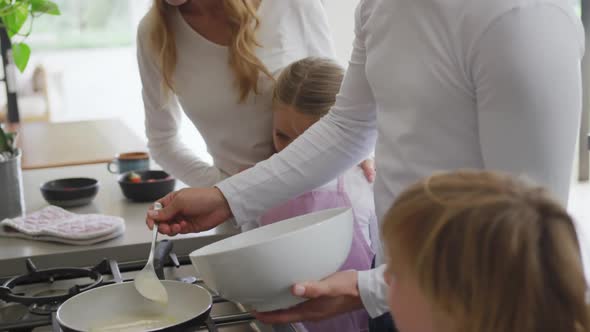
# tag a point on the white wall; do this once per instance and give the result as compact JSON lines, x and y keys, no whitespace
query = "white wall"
{"x":341,"y":18}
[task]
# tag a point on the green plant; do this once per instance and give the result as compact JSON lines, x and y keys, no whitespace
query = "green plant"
{"x":7,"y":144}
{"x":13,"y":16}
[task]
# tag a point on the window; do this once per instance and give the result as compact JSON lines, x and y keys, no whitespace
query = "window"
{"x":85,"y":24}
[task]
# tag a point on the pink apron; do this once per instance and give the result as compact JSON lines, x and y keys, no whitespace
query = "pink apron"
{"x":359,"y":258}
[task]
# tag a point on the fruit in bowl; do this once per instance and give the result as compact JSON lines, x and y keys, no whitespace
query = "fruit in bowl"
{"x":137,"y":178}
{"x":134,"y":177}
{"x":146,"y":186}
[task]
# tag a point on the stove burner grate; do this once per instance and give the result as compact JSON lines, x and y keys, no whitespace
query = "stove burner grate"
{"x":12,"y":311}
{"x":49,"y":296}
{"x":44,"y":309}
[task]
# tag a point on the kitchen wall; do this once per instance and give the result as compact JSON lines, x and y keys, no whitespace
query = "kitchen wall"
{"x":579,"y":207}
{"x":341,"y":18}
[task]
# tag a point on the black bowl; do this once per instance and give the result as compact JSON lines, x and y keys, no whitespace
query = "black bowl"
{"x":153,"y":186}
{"x":70,"y":192}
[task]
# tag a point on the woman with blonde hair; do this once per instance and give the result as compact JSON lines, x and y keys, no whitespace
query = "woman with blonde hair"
{"x":216,"y":60}
{"x":481,"y":251}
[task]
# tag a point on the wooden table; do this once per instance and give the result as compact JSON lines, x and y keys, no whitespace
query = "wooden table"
{"x":47,"y":145}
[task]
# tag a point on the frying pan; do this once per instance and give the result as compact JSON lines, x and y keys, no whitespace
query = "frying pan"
{"x":120,"y":307}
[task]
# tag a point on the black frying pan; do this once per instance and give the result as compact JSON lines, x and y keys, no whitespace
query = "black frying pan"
{"x":122,"y":308}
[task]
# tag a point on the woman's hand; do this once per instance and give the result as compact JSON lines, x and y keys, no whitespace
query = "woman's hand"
{"x":189,"y":210}
{"x":368,"y":166}
{"x":330,"y":297}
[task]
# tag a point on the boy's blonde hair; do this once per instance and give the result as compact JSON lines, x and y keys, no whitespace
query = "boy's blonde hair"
{"x":491,"y":252}
{"x":309,"y":85}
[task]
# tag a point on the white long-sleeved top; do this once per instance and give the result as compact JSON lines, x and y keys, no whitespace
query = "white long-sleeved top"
{"x":440,"y":85}
{"x":238,"y":135}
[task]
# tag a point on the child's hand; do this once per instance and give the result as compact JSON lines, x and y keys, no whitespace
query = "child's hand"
{"x":368,"y":167}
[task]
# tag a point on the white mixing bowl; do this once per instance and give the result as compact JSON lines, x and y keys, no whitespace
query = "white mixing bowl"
{"x":259,"y":267}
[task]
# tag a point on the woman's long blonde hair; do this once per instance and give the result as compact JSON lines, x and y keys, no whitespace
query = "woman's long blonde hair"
{"x":309,"y":85}
{"x":492,"y":253}
{"x":243,"y":22}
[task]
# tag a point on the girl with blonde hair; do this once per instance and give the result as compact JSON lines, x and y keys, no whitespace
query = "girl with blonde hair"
{"x":215,"y":60}
{"x":304,"y":92}
{"x":480,"y":251}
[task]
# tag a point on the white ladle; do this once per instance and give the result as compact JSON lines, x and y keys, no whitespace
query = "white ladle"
{"x":146,"y":281}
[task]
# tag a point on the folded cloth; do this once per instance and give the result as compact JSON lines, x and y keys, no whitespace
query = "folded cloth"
{"x":58,"y":225}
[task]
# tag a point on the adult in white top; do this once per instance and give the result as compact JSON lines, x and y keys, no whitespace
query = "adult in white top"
{"x":199,"y":45}
{"x":440,"y":85}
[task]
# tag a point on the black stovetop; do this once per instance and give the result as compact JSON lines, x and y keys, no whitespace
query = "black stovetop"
{"x":29,"y":302}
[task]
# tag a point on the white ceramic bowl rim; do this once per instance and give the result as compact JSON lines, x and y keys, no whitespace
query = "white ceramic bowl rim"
{"x":221,"y":247}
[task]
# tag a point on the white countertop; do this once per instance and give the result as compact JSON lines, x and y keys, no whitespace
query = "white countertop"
{"x":133,"y":245}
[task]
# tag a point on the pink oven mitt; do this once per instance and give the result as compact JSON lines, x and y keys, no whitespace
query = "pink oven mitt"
{"x":58,"y":225}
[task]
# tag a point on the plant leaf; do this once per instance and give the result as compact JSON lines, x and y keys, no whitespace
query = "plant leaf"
{"x":45,"y":6}
{"x":11,"y":141}
{"x":3,"y":142}
{"x":4,"y":4}
{"x":21,"y":53}
{"x":15,"y":20}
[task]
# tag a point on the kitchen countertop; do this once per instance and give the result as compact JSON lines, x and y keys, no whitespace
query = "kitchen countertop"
{"x":132,"y":246}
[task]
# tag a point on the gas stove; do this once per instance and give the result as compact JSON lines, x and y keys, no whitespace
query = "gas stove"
{"x":29,"y":302}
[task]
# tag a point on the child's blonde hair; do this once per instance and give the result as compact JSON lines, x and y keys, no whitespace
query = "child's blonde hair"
{"x":491,"y":252}
{"x":309,"y":85}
